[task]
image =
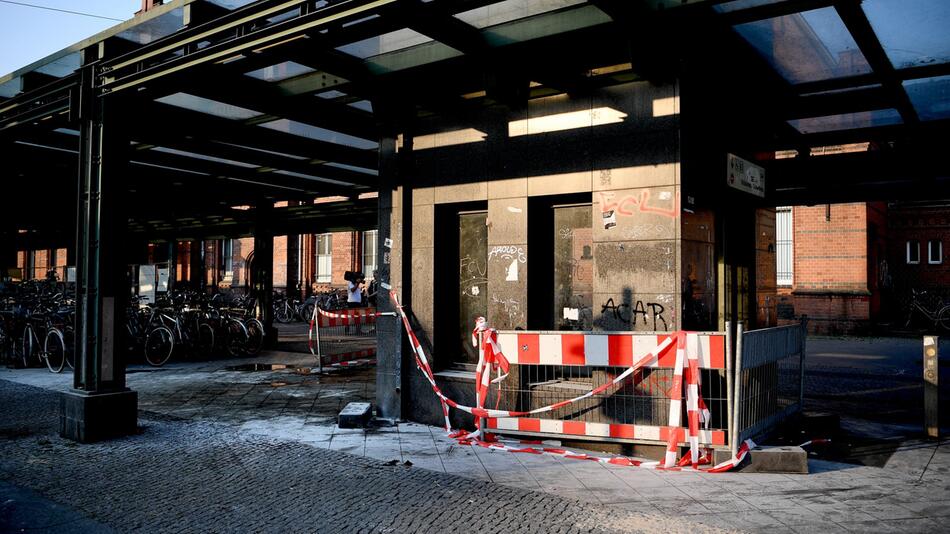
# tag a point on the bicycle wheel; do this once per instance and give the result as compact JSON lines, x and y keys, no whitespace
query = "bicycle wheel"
{"x":283,"y":313}
{"x":54,"y":350}
{"x":943,"y":319}
{"x":26,"y":345}
{"x":159,"y":345}
{"x":205,"y":340}
{"x":237,"y":337}
{"x":306,"y":312}
{"x":255,"y":336}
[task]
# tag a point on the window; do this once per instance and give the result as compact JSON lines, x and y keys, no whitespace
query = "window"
{"x":227,"y":258}
{"x":784,"y":246}
{"x":324,"y":258}
{"x":934,"y":252}
{"x":370,"y":263}
{"x":913,"y":252}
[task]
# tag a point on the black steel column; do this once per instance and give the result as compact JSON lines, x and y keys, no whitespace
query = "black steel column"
{"x":8,"y":249}
{"x":263,"y":273}
{"x":392,"y":388}
{"x":100,"y":406}
{"x":195,"y":264}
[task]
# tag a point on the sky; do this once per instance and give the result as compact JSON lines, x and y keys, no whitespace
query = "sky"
{"x":28,"y":33}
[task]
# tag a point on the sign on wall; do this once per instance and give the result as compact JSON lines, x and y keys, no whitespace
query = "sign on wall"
{"x":745,"y":175}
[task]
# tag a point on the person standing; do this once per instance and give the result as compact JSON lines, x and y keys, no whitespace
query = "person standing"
{"x":354,"y":293}
{"x":354,"y":299}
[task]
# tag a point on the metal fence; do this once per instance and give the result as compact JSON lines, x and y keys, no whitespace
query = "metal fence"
{"x":770,"y":374}
{"x":343,"y":335}
{"x":636,"y":410}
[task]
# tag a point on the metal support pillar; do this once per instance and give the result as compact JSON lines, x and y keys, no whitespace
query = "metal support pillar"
{"x":263,"y":270}
{"x":391,"y":384}
{"x":195,"y":265}
{"x":8,"y":250}
{"x":100,"y":406}
{"x":293,"y":261}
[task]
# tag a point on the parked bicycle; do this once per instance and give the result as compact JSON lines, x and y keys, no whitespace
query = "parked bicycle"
{"x":288,"y":309}
{"x":939,"y":315}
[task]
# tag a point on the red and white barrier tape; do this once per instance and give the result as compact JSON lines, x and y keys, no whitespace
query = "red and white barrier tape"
{"x":490,"y":357}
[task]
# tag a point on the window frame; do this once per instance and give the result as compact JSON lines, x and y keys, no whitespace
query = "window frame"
{"x":325,"y":251}
{"x":227,"y":260}
{"x":784,"y":240}
{"x":370,"y":252}
{"x":908,"y":247}
{"x":930,"y":259}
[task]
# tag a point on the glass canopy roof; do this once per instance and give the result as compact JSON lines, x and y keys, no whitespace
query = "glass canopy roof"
{"x":892,"y":56}
{"x":912,"y":32}
{"x":806,"y":47}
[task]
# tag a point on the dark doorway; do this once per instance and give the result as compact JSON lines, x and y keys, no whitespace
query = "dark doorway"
{"x":461,"y":280}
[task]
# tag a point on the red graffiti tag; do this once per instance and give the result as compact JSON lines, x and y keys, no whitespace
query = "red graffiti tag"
{"x":629,"y":204}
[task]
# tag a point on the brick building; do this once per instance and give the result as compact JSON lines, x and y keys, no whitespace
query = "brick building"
{"x":850,"y":268}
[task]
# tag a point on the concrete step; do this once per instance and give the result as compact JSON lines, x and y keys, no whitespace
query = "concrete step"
{"x":781,"y":459}
{"x":355,"y":415}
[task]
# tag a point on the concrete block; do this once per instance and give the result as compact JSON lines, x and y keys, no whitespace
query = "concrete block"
{"x":423,"y":228}
{"x":355,"y":415}
{"x":634,"y":311}
{"x":640,"y":101}
{"x":784,"y":459}
{"x":423,"y":195}
{"x":423,"y":300}
{"x":509,"y":188}
{"x":87,"y":418}
{"x":638,"y":214}
{"x":628,"y":177}
{"x":508,"y":221}
{"x":507,"y":286}
{"x":637,"y":267}
{"x":559,"y":184}
{"x":461,"y":192}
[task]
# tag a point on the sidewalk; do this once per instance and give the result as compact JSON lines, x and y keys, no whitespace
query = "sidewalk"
{"x":911,"y":492}
{"x":190,"y":476}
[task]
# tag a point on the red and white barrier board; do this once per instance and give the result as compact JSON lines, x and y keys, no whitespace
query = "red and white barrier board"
{"x":603,"y":350}
{"x":604,"y":430}
{"x":348,"y":317}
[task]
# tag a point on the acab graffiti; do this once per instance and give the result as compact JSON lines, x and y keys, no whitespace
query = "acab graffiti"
{"x":627,"y":314}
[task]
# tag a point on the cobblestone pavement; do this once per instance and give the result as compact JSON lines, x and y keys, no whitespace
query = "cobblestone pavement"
{"x":178,"y":476}
{"x":903,"y":486}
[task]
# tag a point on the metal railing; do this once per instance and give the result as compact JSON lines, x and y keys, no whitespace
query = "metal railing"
{"x":636,"y":410}
{"x":769,"y":381}
{"x":343,"y":335}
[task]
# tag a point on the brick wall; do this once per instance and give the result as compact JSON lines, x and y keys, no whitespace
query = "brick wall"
{"x":280,"y":262}
{"x":830,"y":252}
{"x":344,"y":256}
{"x":765,"y":285}
{"x":830,"y":269}
{"x":920,"y":224}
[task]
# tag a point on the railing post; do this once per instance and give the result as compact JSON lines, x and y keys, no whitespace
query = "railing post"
{"x":931,"y":393}
{"x":316,"y":327}
{"x":730,"y":398}
{"x":737,"y":408}
{"x":482,"y":422}
{"x":801,"y":369}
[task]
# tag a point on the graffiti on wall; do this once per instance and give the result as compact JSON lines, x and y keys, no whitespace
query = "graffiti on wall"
{"x":629,"y":205}
{"x":631,"y":314}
